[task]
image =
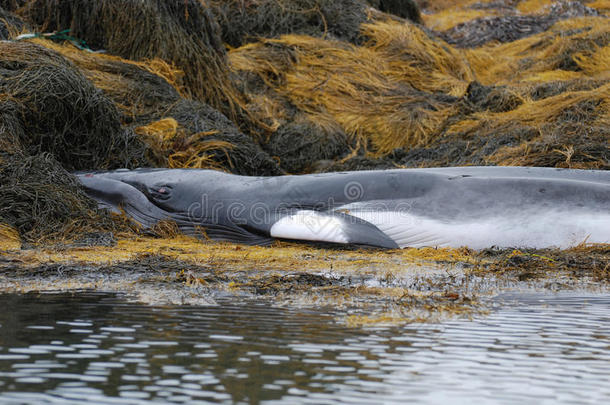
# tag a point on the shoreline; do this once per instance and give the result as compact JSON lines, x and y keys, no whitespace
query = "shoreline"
{"x":368,"y":286}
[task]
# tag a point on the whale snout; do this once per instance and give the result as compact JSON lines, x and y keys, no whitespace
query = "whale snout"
{"x":119,"y":196}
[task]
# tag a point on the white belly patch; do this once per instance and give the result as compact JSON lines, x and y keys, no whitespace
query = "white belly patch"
{"x":534,"y":229}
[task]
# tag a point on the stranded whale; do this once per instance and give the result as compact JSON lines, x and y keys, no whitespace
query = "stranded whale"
{"x":476,"y":207}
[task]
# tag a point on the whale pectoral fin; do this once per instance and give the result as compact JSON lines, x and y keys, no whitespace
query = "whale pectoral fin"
{"x":334,"y":227}
{"x":408,"y":230}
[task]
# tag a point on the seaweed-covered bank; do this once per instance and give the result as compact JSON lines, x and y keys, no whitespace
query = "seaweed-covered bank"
{"x":362,"y":286}
{"x":282,"y":86}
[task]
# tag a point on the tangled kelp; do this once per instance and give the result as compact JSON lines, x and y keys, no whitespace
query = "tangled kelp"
{"x":172,"y":147}
{"x":510,"y":28}
{"x":570,"y":50}
{"x":245,"y":156}
{"x":142,"y":91}
{"x":149,"y":97}
{"x":561,"y":76}
{"x":9,"y":238}
{"x":183,"y":33}
{"x":10,"y":24}
{"x":242,"y":22}
{"x":329,"y":100}
{"x":567,"y":130}
{"x":590,"y":261}
{"x":376,"y":98}
{"x":11,"y":128}
{"x":328,"y":88}
{"x":42,"y":201}
{"x":195,"y":135}
{"x":450,"y":118}
{"x":475,"y":16}
{"x":302,"y":144}
{"x":402,"y":8}
{"x":51,"y":107}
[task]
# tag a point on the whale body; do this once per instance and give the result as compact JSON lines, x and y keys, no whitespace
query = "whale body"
{"x":477,"y":207}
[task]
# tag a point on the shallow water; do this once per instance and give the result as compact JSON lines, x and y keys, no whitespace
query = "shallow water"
{"x":68,"y":348}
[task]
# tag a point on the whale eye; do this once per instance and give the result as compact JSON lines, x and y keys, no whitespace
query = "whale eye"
{"x":160,"y":191}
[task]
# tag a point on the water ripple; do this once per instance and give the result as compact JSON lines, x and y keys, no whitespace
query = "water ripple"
{"x":98,"y":348}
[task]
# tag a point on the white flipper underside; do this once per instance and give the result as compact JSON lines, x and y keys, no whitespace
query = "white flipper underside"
{"x":310,"y":225}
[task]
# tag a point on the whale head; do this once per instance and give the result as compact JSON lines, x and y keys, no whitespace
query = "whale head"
{"x":180,"y":195}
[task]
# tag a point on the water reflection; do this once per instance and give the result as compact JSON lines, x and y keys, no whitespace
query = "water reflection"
{"x":100,"y":348}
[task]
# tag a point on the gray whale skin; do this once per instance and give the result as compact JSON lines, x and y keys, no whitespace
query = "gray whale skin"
{"x":477,"y":207}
